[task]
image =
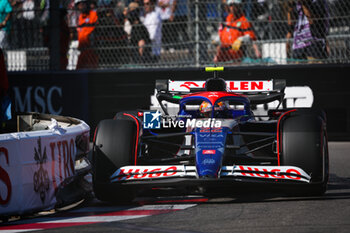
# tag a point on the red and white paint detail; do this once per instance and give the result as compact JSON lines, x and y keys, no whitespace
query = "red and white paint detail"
{"x":238,"y":86}
{"x":131,"y":173}
{"x":149,"y":172}
{"x":209,"y":152}
{"x":90,"y":215}
{"x":267,"y":172}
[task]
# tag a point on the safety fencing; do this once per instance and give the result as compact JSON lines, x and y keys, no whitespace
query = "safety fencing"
{"x":191,"y":38}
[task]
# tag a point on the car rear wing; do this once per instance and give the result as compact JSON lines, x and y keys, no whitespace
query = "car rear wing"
{"x":257,"y":91}
{"x":245,"y":87}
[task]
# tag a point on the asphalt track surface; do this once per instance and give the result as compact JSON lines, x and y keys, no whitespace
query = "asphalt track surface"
{"x":261,"y":211}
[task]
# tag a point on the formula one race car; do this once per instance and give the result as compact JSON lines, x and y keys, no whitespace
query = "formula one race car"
{"x":214,"y":140}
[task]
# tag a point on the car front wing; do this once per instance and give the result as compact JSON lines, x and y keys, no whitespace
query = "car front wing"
{"x":131,"y":174}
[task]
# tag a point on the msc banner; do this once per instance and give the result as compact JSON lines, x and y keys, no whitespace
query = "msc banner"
{"x":57,"y":94}
{"x":33,"y":165}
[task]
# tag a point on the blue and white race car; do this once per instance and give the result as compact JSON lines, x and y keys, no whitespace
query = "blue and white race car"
{"x":214,"y":140}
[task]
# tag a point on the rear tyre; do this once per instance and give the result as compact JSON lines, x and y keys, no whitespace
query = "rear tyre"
{"x":305,"y":145}
{"x":114,"y":147}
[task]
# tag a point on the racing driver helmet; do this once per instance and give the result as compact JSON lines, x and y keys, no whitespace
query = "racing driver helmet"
{"x":205,"y":109}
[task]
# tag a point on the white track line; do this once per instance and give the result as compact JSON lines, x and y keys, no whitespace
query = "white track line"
{"x":90,"y":215}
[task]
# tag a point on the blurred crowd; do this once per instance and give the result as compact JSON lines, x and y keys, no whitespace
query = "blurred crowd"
{"x":139,"y":31}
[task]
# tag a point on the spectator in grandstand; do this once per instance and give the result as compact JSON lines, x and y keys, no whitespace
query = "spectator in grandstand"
{"x":153,"y":23}
{"x":16,"y":38}
{"x":5,"y":14}
{"x":127,"y":3}
{"x":180,"y":22}
{"x":64,"y":37}
{"x":72,"y":19}
{"x":93,"y":5}
{"x":235,"y":35}
{"x":289,"y":6}
{"x":139,"y":38}
{"x":166,"y":9}
{"x":224,"y":10}
{"x":28,"y":9}
{"x":86,"y":27}
{"x":45,"y":11}
{"x":111,"y":39}
{"x":264,"y":19}
{"x":127,"y":24}
{"x":29,"y":24}
{"x":310,"y":30}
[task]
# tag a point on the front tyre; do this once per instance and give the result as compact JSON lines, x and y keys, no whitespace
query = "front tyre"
{"x":114,"y":147}
{"x":305,"y":145}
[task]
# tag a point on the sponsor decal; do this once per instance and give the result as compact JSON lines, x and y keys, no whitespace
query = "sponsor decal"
{"x":240,"y":86}
{"x":213,"y":94}
{"x":210,"y":146}
{"x":41,"y":176}
{"x":211,"y":135}
{"x":5,"y":178}
{"x":265,"y":172}
{"x":208,"y":152}
{"x":128,"y":174}
{"x":250,"y":85}
{"x":211,"y":130}
{"x":65,"y":156}
{"x":38,"y":99}
{"x":154,"y":120}
{"x":253,"y":172}
{"x":208,"y":161}
{"x":151,"y":120}
{"x":192,"y":123}
{"x":189,"y":84}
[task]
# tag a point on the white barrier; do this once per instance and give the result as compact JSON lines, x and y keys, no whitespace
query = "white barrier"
{"x":34,"y":164}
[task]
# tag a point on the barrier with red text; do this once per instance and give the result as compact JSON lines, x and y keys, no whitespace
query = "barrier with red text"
{"x":33,"y":165}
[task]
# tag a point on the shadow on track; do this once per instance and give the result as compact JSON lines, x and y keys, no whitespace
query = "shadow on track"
{"x":338,"y":188}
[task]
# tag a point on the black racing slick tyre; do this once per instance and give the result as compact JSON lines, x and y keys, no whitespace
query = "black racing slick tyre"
{"x":305,"y":145}
{"x":114,"y":147}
